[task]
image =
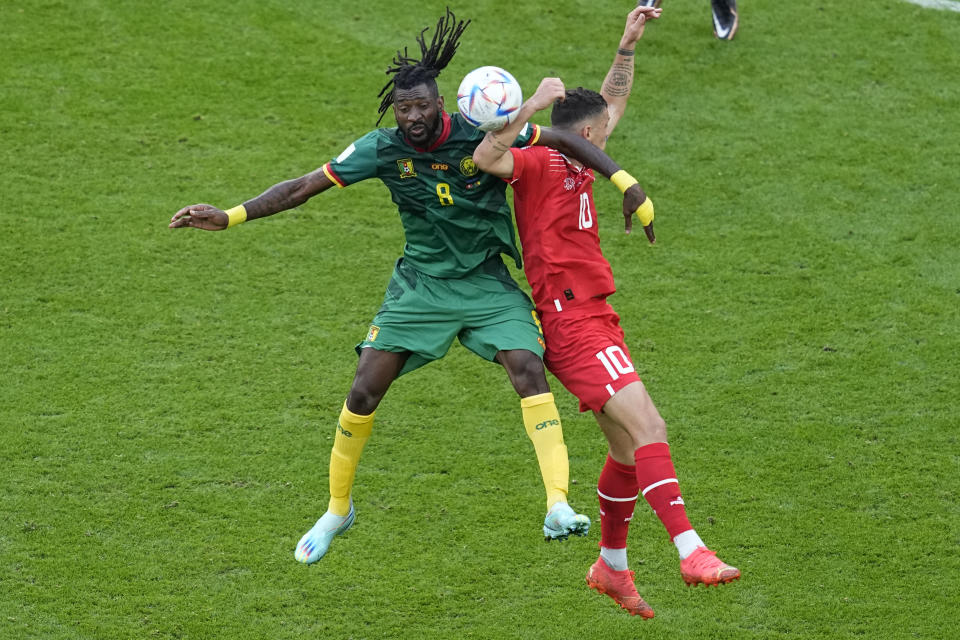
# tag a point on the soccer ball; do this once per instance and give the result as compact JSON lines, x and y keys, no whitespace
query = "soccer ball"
{"x":489,"y":98}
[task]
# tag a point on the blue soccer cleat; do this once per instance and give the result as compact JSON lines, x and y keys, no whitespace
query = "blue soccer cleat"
{"x":314,"y":543}
{"x":562,"y":521}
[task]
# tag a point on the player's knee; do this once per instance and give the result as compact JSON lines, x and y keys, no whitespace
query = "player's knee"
{"x":526,"y":373}
{"x":364,"y":398}
{"x":649,"y":429}
{"x":376,"y":370}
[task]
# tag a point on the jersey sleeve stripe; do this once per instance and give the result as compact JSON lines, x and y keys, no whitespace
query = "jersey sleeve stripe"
{"x":535,"y":136}
{"x":334,"y":178}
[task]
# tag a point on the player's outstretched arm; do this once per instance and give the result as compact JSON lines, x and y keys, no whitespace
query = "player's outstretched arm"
{"x":280,"y":197}
{"x":491,"y":155}
{"x":619,"y":80}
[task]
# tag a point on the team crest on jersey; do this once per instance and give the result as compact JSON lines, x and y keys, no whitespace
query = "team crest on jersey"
{"x":468,"y":167}
{"x":406,"y":168}
{"x":569,"y":184}
{"x":373,"y":333}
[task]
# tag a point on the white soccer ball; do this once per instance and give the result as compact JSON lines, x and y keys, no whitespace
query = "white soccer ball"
{"x":489,"y":98}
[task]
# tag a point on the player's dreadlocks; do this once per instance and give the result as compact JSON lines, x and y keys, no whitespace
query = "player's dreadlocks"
{"x":409,"y":72}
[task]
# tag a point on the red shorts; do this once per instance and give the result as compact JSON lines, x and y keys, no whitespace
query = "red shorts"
{"x":587,"y":353}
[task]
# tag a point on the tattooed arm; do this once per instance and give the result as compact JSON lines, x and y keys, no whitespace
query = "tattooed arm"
{"x":280,"y":197}
{"x":288,"y":194}
{"x":619,"y":80}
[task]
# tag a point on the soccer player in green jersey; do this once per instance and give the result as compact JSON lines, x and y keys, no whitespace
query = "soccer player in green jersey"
{"x":451,"y":281}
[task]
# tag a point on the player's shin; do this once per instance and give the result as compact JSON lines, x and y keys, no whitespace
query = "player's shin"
{"x":353,"y":431}
{"x":617,"y":494}
{"x":658,"y":484}
{"x":542,"y":423}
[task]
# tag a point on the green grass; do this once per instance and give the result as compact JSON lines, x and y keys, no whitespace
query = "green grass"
{"x":168,"y":397}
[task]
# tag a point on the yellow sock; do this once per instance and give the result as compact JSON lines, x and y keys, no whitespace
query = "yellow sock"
{"x":353,"y":431}
{"x":542,"y":423}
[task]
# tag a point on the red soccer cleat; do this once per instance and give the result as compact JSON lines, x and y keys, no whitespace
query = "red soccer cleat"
{"x":619,"y":586}
{"x":704,"y":567}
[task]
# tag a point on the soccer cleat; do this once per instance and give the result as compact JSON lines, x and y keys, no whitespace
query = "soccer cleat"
{"x":314,"y":543}
{"x":562,"y":521}
{"x":619,"y":586}
{"x":704,"y":567}
{"x":648,"y":3}
{"x":725,"y":18}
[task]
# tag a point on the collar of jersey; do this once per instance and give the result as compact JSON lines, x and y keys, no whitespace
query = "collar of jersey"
{"x":443,"y":136}
{"x":572,"y":166}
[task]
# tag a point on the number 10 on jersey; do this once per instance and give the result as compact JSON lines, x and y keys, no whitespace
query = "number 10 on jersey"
{"x":615,"y":361}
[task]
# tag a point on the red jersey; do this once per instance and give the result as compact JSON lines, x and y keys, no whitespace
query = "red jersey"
{"x":556,"y":218}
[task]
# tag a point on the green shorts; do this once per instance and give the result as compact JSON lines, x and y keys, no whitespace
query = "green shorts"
{"x":485,"y":309}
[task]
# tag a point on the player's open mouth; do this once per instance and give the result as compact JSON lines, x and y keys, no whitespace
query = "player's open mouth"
{"x":418,"y":130}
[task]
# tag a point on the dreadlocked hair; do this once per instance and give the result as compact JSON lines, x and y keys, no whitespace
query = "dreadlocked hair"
{"x":407,"y":72}
{"x":579,"y":104}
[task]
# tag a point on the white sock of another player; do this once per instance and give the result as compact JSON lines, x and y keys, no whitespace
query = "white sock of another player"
{"x":687,"y":542}
{"x":616,"y":559}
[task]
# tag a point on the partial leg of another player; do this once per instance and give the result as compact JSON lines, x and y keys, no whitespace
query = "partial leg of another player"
{"x":726,"y":19}
{"x":637,"y":434}
{"x":610,"y":574}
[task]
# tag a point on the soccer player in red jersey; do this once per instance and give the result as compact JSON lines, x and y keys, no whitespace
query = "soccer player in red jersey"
{"x":586,"y":350}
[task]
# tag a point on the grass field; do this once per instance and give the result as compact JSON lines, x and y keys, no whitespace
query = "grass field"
{"x":168,"y":397}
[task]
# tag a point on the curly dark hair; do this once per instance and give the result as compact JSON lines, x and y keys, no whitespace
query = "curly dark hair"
{"x":579,"y":105}
{"x":407,"y":72}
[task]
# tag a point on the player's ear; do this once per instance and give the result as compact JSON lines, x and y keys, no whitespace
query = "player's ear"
{"x":585,"y":131}
{"x":440,"y":103}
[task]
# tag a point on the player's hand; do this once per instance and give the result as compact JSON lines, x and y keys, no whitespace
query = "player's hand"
{"x":549,"y":91}
{"x":200,"y":216}
{"x":636,"y":21}
{"x":634,"y":198}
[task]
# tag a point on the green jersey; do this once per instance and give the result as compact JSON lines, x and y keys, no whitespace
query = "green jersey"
{"x":454,"y":216}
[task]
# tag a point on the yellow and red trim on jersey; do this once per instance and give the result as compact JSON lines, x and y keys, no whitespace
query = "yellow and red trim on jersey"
{"x":535,"y":136}
{"x":334,"y":178}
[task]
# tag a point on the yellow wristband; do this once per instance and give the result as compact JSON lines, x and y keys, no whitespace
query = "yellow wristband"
{"x":623,"y":180}
{"x":236,"y":215}
{"x":645,"y":212}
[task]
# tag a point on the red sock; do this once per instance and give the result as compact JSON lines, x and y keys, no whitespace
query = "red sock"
{"x":617,"y":492}
{"x":658,"y":484}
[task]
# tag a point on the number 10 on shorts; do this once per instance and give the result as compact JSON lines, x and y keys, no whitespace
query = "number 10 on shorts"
{"x":615,"y":361}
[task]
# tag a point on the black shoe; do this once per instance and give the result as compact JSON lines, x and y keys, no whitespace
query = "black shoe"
{"x":725,"y":19}
{"x":648,"y":3}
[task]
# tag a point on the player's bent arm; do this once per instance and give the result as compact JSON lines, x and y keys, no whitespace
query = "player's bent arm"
{"x":491,"y":155}
{"x":635,"y":200}
{"x":616,"y":86}
{"x":619,"y":79}
{"x":579,"y":148}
